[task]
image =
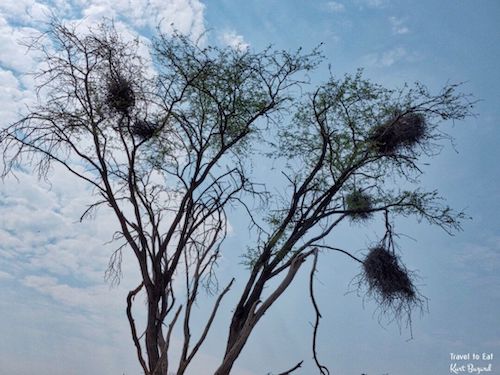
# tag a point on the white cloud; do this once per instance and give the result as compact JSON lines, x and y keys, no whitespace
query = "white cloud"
{"x":477,"y":265}
{"x":335,"y":7}
{"x":12,"y":97}
{"x":55,"y":260}
{"x":185,"y":16}
{"x":375,"y":4}
{"x":5,"y":275}
{"x":12,"y":54}
{"x":389,"y":58}
{"x":41,"y":233}
{"x":62,"y":338}
{"x":57,"y":264}
{"x":92,"y":299}
{"x":398,"y":25}
{"x":25,"y":11}
{"x":232,"y":39}
{"x":482,"y":258}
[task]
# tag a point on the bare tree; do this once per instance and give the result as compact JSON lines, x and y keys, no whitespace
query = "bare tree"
{"x":168,"y":146}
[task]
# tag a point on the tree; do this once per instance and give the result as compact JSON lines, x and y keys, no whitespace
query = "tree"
{"x":168,"y":146}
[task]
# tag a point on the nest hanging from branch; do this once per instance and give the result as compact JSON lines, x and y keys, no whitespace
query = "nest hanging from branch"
{"x":402,"y":131}
{"x":385,"y":276}
{"x":144,"y":129}
{"x":359,"y":205}
{"x":120,"y":95}
{"x":390,"y":284}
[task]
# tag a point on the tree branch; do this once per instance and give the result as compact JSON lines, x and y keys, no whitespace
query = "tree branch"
{"x":135,"y":338}
{"x":322,"y":369}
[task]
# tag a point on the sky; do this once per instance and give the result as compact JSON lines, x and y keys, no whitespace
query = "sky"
{"x":59,"y":316}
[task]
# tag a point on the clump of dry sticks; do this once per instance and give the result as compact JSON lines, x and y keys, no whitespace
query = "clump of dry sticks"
{"x":121,"y":96}
{"x":401,"y":131}
{"x":390,"y":284}
{"x":144,"y":129}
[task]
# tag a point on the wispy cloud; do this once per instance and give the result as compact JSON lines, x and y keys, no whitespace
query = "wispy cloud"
{"x":335,"y":7}
{"x":234,"y":40}
{"x":484,"y":257}
{"x":12,"y":55}
{"x":388,"y":58}
{"x":479,"y":263}
{"x":25,"y":11}
{"x":398,"y":25}
{"x":374,"y":4}
{"x":12,"y":96}
{"x":58,"y":264}
{"x":185,"y":16}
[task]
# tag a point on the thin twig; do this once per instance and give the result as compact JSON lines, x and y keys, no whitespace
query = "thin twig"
{"x":340,"y":250}
{"x":296,"y":367}
{"x":322,"y":369}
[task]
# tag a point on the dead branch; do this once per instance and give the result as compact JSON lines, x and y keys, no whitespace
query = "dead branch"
{"x":296,"y":367}
{"x":133,"y":329}
{"x":322,"y":369}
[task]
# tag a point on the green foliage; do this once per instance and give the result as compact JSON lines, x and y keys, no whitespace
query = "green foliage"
{"x":228,"y":90}
{"x":359,"y":205}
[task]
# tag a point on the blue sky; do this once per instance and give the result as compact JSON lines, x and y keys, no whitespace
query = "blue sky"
{"x":59,"y":316}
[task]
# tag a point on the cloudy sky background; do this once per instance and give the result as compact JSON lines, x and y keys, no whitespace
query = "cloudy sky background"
{"x":59,"y":316}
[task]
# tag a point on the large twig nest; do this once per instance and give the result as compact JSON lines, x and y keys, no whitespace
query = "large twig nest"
{"x":390,"y":284}
{"x":359,"y":205}
{"x":121,"y":95}
{"x":401,"y":131}
{"x":385,"y":276}
{"x":144,"y":129}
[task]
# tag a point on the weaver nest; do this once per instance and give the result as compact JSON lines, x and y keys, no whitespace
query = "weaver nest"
{"x":401,"y":131}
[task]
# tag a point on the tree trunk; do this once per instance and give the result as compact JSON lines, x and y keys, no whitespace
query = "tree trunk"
{"x":242,"y":324}
{"x":234,"y":351}
{"x":152,"y":347}
{"x":248,"y":314}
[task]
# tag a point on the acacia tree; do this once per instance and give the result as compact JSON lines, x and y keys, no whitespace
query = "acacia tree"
{"x":168,"y":146}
